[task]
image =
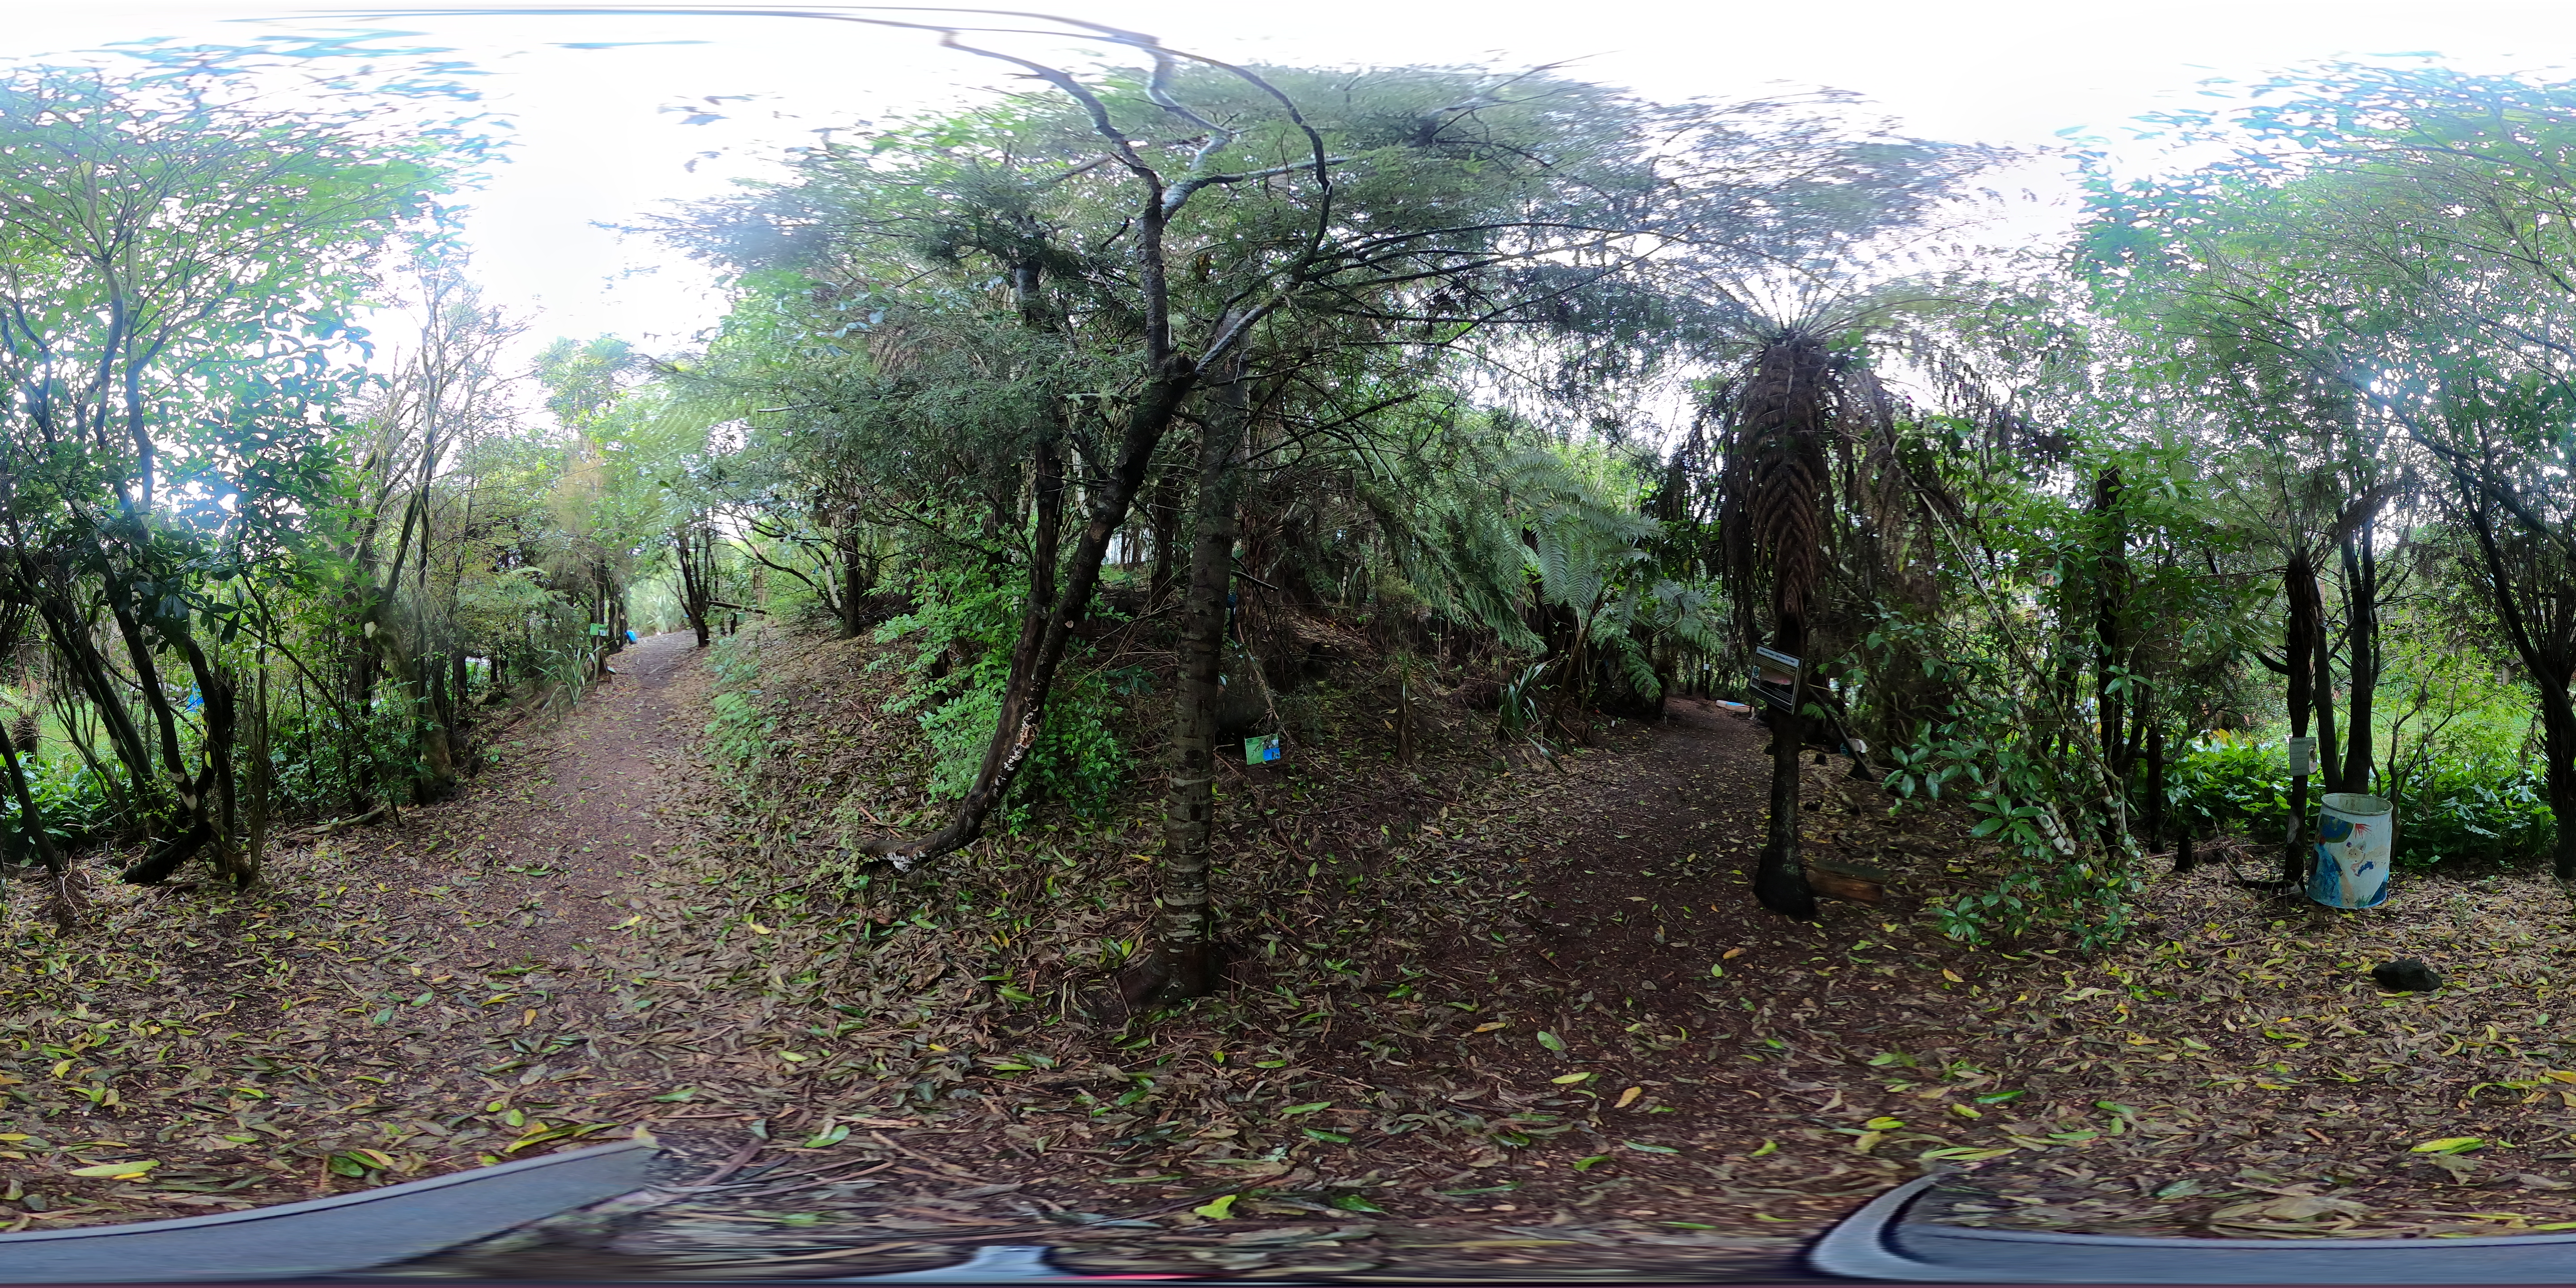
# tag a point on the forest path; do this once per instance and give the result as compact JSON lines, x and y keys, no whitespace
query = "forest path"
{"x":445,"y":990}
{"x":579,"y":819}
{"x":1650,"y":849}
{"x":546,"y":845}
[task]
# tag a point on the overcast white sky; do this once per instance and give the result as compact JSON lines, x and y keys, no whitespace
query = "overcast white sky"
{"x":597,"y":145}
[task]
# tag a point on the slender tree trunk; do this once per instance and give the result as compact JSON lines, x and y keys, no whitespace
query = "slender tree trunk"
{"x":2329,"y":751}
{"x":412,"y":678}
{"x":31,"y":818}
{"x":1405,"y":750}
{"x":263,"y":780}
{"x":2111,"y":606}
{"x":70,"y":637}
{"x":2550,"y":661}
{"x":1780,"y":877}
{"x":2299,"y":585}
{"x":2361,"y":572}
{"x":64,"y":900}
{"x":1163,"y":519}
{"x":2558,"y":740}
{"x":215,"y":779}
{"x":1184,"y":928}
{"x":1047,"y":625}
{"x":2155,"y":811}
{"x":697,"y":578}
{"x":147,"y":678}
{"x":855,"y":581}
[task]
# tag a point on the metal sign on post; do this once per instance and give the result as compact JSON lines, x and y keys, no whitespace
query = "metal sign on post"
{"x":1775,"y":677}
{"x":2303,"y":757}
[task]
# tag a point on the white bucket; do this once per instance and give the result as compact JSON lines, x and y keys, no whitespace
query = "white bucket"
{"x":2355,"y":839}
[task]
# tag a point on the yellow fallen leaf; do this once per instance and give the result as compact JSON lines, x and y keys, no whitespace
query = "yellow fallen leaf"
{"x":119,"y":1171}
{"x":1629,"y":1097}
{"x":2560,"y":1075}
{"x":1569,"y":1078}
{"x":1952,"y":976}
{"x":755,"y":928}
{"x":1730,"y":955}
{"x":1487,"y":1027}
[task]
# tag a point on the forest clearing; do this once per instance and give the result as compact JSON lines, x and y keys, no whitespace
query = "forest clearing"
{"x":1287,"y":671}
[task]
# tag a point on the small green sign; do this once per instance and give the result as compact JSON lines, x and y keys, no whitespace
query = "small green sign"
{"x":1261,"y":750}
{"x":599,"y":628}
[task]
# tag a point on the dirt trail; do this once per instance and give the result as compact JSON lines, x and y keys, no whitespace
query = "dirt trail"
{"x":537,"y":858}
{"x":564,"y":827}
{"x":391,"y":1002}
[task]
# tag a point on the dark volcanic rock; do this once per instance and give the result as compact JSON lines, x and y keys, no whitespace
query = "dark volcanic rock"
{"x":2406,"y":975}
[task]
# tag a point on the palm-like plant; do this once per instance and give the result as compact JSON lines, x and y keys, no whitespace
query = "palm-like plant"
{"x":1775,"y":487}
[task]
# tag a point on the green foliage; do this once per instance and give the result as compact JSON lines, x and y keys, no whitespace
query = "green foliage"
{"x":962,"y":635}
{"x":78,"y":806}
{"x":744,"y":715}
{"x":2470,"y":806}
{"x":322,"y":766}
{"x":2022,"y":771}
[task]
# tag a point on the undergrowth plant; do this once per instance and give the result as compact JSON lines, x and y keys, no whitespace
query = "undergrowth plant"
{"x":2035,"y":787}
{"x":2463,"y":807}
{"x":961,"y":636}
{"x":738,"y":737}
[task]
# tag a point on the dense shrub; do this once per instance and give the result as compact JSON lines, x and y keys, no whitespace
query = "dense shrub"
{"x":2480,"y":808}
{"x":77,"y":804}
{"x":962,"y":633}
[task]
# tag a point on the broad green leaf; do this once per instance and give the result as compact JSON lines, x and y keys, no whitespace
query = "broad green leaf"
{"x":2451,"y":1145}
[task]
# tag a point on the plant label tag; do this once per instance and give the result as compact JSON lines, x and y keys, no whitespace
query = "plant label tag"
{"x":1774,"y":677}
{"x":2303,"y":756}
{"x":1261,"y":750}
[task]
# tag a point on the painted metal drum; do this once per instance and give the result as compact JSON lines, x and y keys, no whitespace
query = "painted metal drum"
{"x":2355,"y":834}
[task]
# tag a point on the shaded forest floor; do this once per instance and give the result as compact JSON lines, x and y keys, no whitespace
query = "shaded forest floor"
{"x":1487,"y":1017}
